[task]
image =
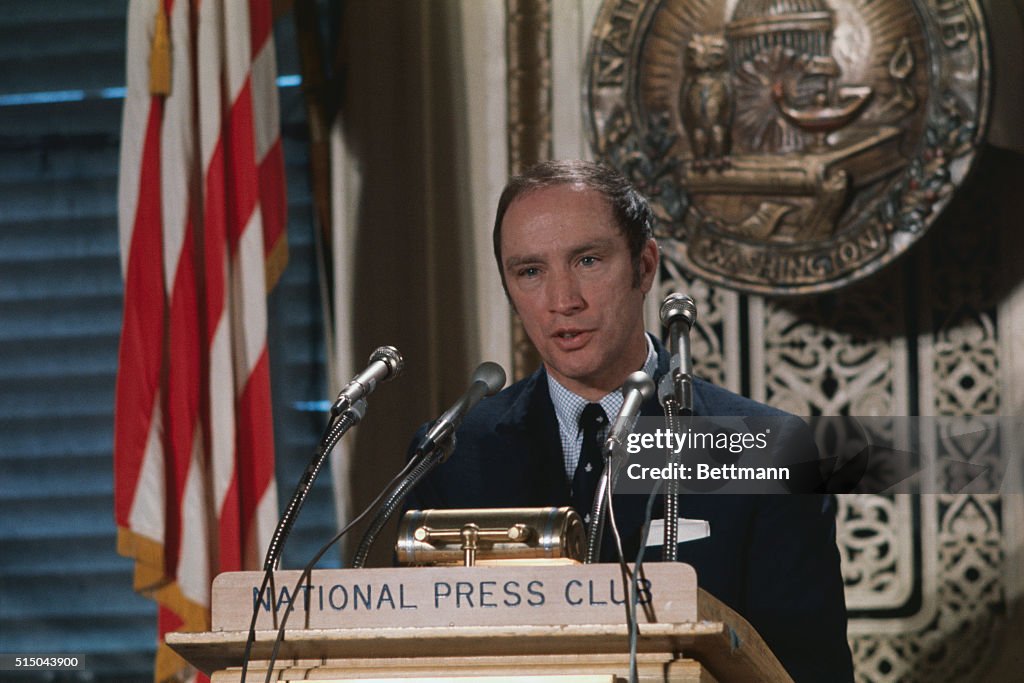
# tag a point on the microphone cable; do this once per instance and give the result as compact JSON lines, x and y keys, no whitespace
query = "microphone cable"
{"x":634,"y":597}
{"x":307,"y":571}
{"x":627,"y":576}
{"x":423,"y":465}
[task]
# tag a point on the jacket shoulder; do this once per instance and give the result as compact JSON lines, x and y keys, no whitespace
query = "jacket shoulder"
{"x":710,"y":399}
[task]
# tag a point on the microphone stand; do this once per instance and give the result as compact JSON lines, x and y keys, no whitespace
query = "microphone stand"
{"x":637,"y":388}
{"x":670,"y":549}
{"x":332,"y":434}
{"x":676,"y":393}
{"x":600,"y":509}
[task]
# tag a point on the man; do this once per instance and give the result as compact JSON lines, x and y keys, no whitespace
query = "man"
{"x":574,"y":249}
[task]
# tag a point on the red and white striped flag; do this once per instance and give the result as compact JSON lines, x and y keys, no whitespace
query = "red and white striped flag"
{"x":202,"y":220}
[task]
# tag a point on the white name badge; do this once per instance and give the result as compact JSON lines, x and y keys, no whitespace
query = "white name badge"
{"x":689,"y":530}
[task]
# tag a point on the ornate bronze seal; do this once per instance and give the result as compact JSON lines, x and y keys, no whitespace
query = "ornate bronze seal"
{"x":789,"y":146}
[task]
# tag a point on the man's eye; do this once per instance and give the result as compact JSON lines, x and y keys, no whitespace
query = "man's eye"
{"x":529,"y":272}
{"x":588,"y":260}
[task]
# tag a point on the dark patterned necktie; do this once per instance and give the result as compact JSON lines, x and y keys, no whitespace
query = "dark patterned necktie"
{"x":588,"y":469}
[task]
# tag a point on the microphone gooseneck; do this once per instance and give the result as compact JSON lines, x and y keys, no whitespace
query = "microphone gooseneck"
{"x":487,"y":380}
{"x":332,"y":435}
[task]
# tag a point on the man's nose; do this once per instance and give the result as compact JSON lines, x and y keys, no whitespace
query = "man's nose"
{"x":564,"y":293}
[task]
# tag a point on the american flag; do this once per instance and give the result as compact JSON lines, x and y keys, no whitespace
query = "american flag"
{"x":202,"y":221}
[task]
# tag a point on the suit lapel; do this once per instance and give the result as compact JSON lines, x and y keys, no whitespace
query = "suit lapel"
{"x":531,"y":425}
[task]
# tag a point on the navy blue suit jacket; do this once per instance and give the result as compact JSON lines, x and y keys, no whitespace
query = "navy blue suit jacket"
{"x":772,"y":558}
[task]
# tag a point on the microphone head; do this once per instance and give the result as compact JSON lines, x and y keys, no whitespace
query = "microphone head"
{"x":640,"y":381}
{"x":490,"y":374}
{"x":390,"y":356}
{"x":678,"y":305}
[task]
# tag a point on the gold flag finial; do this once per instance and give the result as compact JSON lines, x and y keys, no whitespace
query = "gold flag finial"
{"x":160,"y":56}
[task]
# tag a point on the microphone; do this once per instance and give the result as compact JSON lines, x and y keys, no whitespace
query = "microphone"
{"x":637,"y":388}
{"x":675,"y":391}
{"x":487,"y":380}
{"x":385,"y":363}
{"x":678,"y":314}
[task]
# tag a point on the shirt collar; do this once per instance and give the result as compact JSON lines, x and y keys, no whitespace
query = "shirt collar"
{"x":569,"y":405}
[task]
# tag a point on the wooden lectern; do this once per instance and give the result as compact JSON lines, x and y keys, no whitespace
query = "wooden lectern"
{"x":524,"y":622}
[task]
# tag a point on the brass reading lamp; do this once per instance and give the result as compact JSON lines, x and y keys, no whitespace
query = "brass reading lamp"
{"x":491,"y":536}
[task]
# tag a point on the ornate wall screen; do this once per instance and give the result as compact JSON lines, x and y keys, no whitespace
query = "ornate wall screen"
{"x":932,"y":582}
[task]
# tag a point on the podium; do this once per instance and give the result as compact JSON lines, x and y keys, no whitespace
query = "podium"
{"x":544,"y":623}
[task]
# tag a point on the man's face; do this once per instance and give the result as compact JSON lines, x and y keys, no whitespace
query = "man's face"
{"x":571,"y":280}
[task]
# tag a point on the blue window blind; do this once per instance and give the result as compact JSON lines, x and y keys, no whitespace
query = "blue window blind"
{"x":63,"y":588}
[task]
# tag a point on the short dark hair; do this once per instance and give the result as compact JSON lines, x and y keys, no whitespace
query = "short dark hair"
{"x":630,"y":209}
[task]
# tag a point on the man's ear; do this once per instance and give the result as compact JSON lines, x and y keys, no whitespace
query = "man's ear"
{"x":649,"y":259}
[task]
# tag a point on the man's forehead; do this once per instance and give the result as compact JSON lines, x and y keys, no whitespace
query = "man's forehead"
{"x":562,"y":212}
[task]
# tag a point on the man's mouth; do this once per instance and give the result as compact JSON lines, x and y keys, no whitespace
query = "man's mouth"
{"x":570,"y":339}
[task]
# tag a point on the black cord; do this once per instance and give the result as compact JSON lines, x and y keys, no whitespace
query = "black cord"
{"x":308,"y":569}
{"x":634,"y":599}
{"x":621,"y":555}
{"x":424,"y":464}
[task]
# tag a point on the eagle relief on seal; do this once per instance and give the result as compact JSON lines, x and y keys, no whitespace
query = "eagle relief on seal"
{"x":789,"y":146}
